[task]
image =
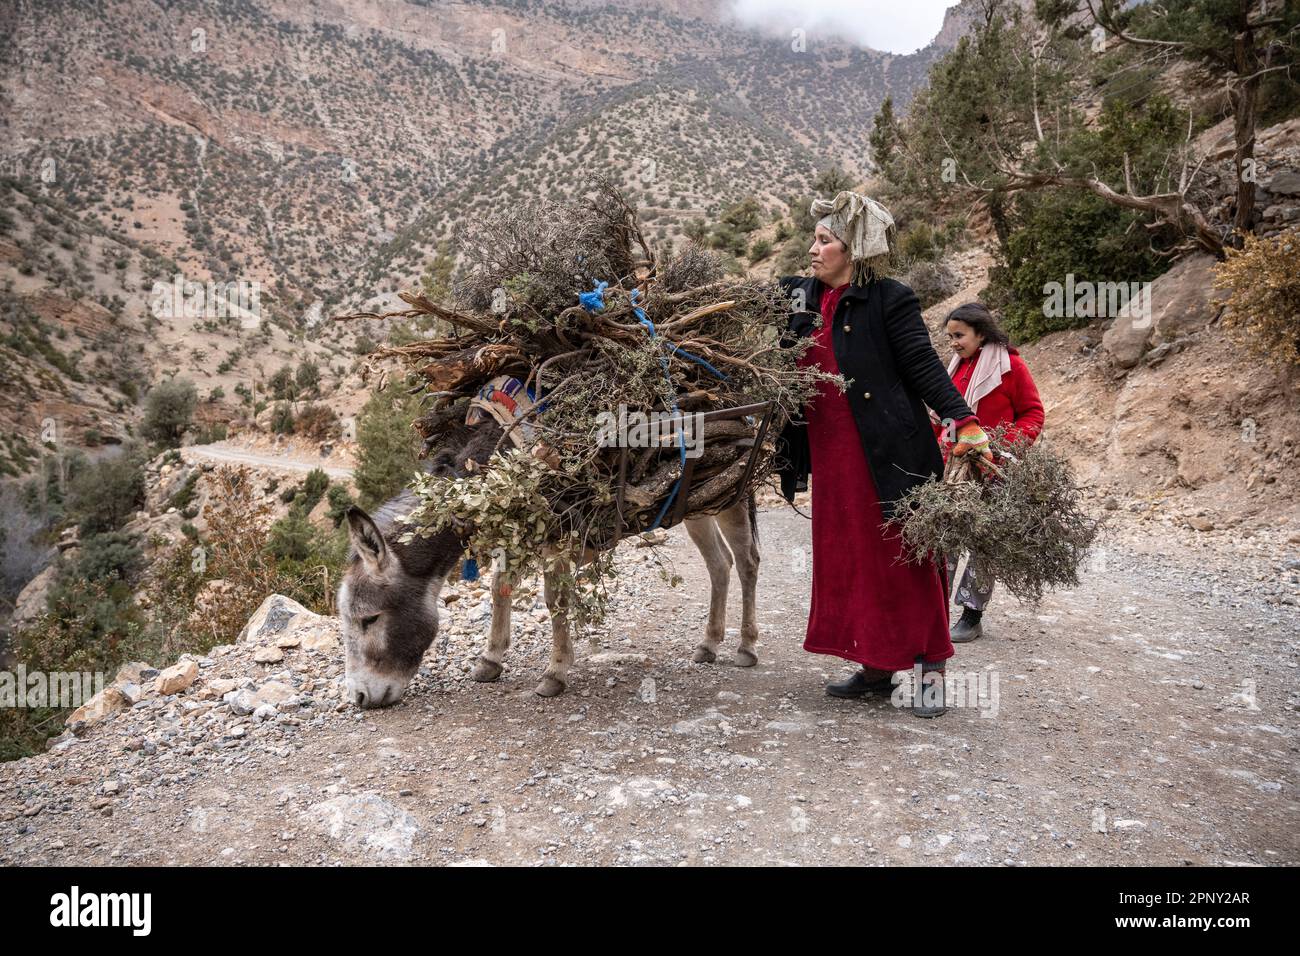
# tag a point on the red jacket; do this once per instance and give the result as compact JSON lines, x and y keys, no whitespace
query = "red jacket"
{"x":1014,"y":402}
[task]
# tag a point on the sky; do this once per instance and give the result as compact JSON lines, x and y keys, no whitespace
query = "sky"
{"x":896,"y":26}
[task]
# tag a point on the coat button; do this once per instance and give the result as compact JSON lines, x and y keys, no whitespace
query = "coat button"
{"x":866,"y":394}
{"x":846,"y":328}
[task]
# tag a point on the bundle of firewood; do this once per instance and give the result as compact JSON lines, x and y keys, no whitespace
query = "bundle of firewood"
{"x":1023,"y":523}
{"x":612,"y":368}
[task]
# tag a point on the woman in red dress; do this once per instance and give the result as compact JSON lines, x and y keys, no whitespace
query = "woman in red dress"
{"x":865,"y":447}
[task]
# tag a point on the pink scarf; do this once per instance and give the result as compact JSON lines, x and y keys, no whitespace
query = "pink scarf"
{"x":993,"y":363}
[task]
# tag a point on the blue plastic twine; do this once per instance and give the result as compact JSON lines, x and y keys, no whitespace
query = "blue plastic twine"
{"x":594,"y":301}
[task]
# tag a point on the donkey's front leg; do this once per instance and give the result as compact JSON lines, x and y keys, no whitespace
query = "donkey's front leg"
{"x":704,"y":532}
{"x":489,"y":662}
{"x":556,"y":677}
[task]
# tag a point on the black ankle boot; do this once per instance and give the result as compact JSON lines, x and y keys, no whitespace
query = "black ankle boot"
{"x":860,"y":684}
{"x":929,"y":701}
{"x":969,"y":627}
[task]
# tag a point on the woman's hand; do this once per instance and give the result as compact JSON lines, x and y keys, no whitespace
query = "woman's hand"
{"x":971,"y":439}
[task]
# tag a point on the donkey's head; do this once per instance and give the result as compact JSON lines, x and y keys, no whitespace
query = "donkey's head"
{"x":388,"y":599}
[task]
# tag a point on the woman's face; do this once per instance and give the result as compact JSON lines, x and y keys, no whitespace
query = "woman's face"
{"x":830,"y":258}
{"x":963,"y":339}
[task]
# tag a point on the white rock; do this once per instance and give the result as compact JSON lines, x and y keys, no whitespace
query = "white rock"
{"x":274,"y":618}
{"x":366,"y":821}
{"x":648,"y":693}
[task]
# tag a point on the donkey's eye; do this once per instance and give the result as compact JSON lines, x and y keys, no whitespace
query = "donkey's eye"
{"x":367,"y":621}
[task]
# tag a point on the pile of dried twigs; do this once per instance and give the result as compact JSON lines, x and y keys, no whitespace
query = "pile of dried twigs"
{"x":1024,"y":521}
{"x":618,"y":353}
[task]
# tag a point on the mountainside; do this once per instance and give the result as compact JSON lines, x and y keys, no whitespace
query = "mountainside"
{"x":318,"y":151}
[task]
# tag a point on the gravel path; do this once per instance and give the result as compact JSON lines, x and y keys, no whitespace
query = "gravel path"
{"x":1149,"y":717}
{"x":232,"y":455}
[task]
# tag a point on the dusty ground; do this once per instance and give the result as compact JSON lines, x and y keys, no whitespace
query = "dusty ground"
{"x":1149,"y":717}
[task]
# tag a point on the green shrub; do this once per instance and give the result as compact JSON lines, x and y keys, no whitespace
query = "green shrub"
{"x":102,"y":496}
{"x":183,"y":495}
{"x":387,"y":445}
{"x":339,"y":503}
{"x":1056,"y":234}
{"x":100,"y":558}
{"x":168,"y":410}
{"x":919,"y":243}
{"x":292,"y":536}
{"x":282,"y":419}
{"x":313,"y":487}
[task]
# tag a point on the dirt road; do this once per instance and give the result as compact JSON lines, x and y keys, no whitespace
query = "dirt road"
{"x":1149,"y":717}
{"x":272,"y":461}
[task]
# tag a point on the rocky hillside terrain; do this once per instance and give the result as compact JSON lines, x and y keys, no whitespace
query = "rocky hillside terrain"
{"x":321,"y":152}
{"x":1147,"y":717}
{"x":327,"y":152}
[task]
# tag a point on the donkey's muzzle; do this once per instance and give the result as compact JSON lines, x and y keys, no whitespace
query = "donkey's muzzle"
{"x":371,"y":693}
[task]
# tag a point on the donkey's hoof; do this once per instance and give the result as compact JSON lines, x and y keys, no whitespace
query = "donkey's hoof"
{"x":746,"y":658}
{"x":704,"y":655}
{"x":486,"y":671}
{"x":550,"y":687}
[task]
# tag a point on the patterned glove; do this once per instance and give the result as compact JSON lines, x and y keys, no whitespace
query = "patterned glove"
{"x":971,"y":438}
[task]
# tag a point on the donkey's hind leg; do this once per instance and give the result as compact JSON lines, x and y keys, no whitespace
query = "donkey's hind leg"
{"x":738,"y":524}
{"x":704,"y":532}
{"x":556,"y":676}
{"x":489,"y":663}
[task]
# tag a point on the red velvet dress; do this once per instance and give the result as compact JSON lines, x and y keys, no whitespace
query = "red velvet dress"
{"x":868,"y":604}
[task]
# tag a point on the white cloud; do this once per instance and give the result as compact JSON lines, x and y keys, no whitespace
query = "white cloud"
{"x":896,"y":26}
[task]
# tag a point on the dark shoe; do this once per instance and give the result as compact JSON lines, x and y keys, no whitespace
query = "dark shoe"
{"x":968,"y":628}
{"x":930,"y":703}
{"x":860,"y":684}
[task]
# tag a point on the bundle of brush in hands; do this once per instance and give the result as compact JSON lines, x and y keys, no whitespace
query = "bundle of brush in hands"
{"x":1021,"y":517}
{"x":592,"y":365}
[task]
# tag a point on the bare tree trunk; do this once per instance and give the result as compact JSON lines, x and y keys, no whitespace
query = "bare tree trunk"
{"x":1244,"y":95}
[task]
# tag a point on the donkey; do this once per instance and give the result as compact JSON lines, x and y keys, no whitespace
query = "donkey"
{"x":388,"y":598}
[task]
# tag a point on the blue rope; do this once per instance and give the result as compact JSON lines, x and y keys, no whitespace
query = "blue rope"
{"x":696,"y":359}
{"x":681,"y":441}
{"x":594,"y":301}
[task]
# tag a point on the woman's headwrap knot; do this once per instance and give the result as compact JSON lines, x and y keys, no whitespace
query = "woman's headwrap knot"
{"x":862,"y":224}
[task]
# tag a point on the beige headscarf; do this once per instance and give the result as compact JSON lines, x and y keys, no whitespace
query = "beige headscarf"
{"x":860,"y":223}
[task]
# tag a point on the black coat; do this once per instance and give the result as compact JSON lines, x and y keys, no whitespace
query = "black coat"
{"x":884,"y":350}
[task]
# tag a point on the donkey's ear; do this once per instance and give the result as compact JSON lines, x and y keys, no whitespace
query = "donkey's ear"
{"x":365,"y":537}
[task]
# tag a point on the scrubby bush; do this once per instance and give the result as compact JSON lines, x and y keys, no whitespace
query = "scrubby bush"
{"x":339,"y":503}
{"x":318,"y":422}
{"x":282,"y":419}
{"x":1263,"y":283}
{"x":931,"y":281}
